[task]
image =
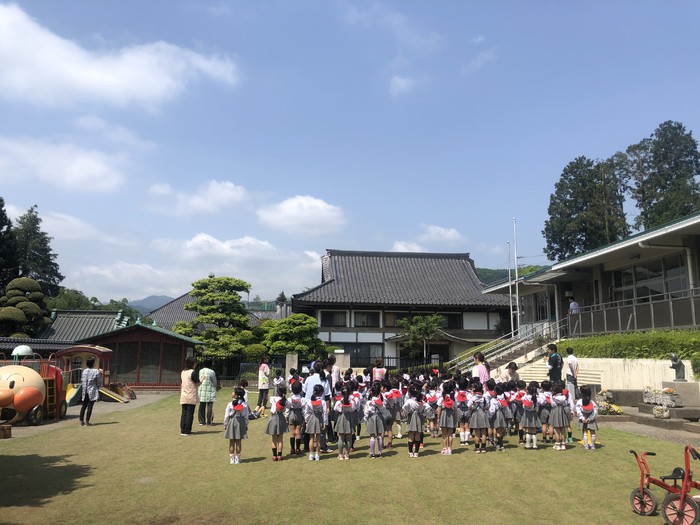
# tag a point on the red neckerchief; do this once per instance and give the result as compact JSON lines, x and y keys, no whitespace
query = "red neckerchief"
{"x":588,"y":407}
{"x":316,"y":403}
{"x":461,"y":397}
{"x":448,"y":402}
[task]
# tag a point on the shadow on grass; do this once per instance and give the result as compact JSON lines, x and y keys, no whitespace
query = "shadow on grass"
{"x":252,"y":460}
{"x":28,"y":481}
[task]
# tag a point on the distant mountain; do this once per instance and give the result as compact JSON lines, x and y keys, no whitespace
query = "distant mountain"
{"x":150,"y":303}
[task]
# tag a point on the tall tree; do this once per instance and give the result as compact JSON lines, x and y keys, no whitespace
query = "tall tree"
{"x":296,"y":333}
{"x":586,"y":208}
{"x":221,"y":316}
{"x":9,"y":265}
{"x":36,"y":259}
{"x":663,"y":171}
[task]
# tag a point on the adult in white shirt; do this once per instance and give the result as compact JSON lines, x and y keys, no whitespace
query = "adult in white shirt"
{"x":573,"y":306}
{"x":571,"y":372}
{"x":263,"y":385}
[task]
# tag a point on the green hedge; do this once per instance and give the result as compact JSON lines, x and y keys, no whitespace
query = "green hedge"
{"x":637,"y":345}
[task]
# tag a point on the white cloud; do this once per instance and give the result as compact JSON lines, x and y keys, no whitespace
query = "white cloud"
{"x":438,"y":234}
{"x":64,"y":166}
{"x":303,"y":215}
{"x":115,"y":134}
{"x":398,"y":25}
{"x":484,"y":57}
{"x":205,"y":246}
{"x":63,"y":227}
{"x":213,"y":197}
{"x":406,"y":246}
{"x":400,"y":85}
{"x":479,"y":39}
{"x":41,"y":67}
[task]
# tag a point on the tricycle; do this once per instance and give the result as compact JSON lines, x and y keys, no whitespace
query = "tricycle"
{"x":678,"y":507}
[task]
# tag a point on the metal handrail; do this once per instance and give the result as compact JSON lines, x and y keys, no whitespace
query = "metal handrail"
{"x":504,"y":345}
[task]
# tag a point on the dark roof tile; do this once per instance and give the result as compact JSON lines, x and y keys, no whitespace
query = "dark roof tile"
{"x":399,"y":278}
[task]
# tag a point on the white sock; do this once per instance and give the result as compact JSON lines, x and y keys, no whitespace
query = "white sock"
{"x":534,"y":440}
{"x":593,"y":440}
{"x":585,"y":439}
{"x":528,"y":440}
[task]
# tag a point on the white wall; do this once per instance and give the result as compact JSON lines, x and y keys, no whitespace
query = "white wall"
{"x":476,"y":321}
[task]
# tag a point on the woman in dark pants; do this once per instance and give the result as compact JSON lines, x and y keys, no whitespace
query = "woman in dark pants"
{"x":188,"y":395}
{"x":91,"y":381}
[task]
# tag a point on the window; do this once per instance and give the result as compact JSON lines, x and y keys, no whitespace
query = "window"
{"x":391,"y":318}
{"x":453,"y":321}
{"x":334,"y":319}
{"x":367,"y":319}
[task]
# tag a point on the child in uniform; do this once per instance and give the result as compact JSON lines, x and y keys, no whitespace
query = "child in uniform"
{"x":294,"y":414}
{"x":277,"y":425}
{"x":236,"y":424}
{"x":587,"y":411}
{"x":316,"y":418}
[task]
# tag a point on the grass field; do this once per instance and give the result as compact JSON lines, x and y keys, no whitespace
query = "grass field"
{"x":134,"y":467}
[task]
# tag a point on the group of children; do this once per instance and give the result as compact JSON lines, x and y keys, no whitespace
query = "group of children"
{"x":444,"y":405}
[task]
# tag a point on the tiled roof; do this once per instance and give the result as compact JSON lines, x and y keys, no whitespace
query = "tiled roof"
{"x":173,"y":312}
{"x":399,"y":278}
{"x":40,"y":346}
{"x":72,"y":325}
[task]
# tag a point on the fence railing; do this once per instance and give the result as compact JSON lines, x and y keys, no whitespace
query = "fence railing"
{"x":668,"y":310}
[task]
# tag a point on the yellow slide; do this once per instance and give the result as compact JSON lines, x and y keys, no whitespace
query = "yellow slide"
{"x":108,"y":395}
{"x":73,"y":394}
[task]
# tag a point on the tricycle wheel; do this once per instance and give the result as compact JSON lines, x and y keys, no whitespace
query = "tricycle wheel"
{"x":677,"y":512}
{"x":36,"y":415}
{"x":643,"y":502}
{"x":62,"y":409}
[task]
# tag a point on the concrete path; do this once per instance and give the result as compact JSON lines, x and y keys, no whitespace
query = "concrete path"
{"x":100,"y":408}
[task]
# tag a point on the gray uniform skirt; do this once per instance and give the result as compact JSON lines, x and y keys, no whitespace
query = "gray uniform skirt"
{"x":591,"y":425}
{"x":499,"y":419}
{"x":544,"y":413}
{"x":463,"y":414}
{"x":415,"y":422}
{"x":558,"y":417}
{"x":276,"y":424}
{"x":448,"y":418}
{"x":375,"y":425}
{"x":314,"y":424}
{"x":478,"y":419}
{"x":236,"y":428}
{"x":530,"y":419}
{"x":344,"y":422}
{"x":296,"y":417}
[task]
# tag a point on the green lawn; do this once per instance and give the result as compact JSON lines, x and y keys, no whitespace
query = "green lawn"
{"x":134,"y":467}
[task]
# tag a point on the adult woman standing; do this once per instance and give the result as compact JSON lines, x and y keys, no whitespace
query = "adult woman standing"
{"x":263,"y":385}
{"x":188,"y":395}
{"x":91,"y":381}
{"x":378,"y":372}
{"x":481,"y":368}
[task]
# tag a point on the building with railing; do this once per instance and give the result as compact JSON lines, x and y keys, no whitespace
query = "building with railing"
{"x":647,"y":281}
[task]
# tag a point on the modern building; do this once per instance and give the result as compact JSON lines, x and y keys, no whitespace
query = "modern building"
{"x":644,"y":282}
{"x":362,"y":295}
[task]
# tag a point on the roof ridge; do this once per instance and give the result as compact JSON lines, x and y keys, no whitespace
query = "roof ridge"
{"x":418,"y":255}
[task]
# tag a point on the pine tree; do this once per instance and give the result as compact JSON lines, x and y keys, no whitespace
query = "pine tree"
{"x":586,"y":208}
{"x":663,"y":171}
{"x":35,"y":257}
{"x":9,"y":265}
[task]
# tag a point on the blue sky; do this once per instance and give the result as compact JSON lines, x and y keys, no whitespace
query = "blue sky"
{"x":166,"y":140}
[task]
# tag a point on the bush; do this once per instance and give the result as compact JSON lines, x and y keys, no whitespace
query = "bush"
{"x":255,"y":351}
{"x":24,"y":284}
{"x":695,"y":363}
{"x":14,"y":293}
{"x":13,"y":315}
{"x":638,"y":345}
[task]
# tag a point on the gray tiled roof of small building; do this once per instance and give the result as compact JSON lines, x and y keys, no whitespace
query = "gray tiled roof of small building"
{"x":400,"y":278}
{"x":136,"y":326}
{"x":73,"y":325}
{"x":173,"y":312}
